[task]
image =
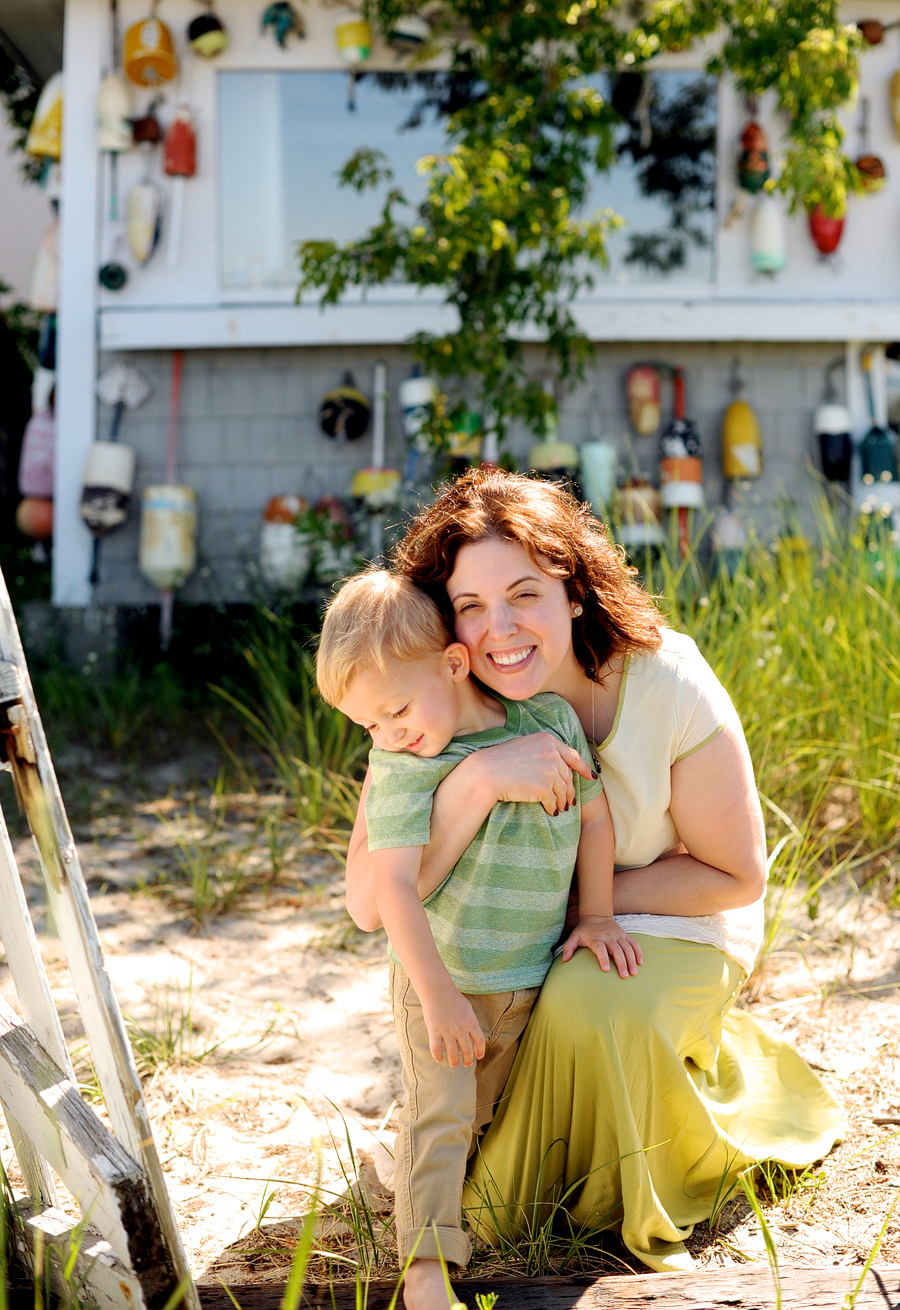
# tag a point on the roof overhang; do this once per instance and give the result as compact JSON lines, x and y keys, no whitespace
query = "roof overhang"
{"x":32,"y":32}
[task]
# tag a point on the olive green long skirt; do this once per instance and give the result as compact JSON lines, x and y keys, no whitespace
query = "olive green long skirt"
{"x":636,"y":1102}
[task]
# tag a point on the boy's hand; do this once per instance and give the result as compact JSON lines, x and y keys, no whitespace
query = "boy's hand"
{"x":608,"y":942}
{"x":453,"y":1027}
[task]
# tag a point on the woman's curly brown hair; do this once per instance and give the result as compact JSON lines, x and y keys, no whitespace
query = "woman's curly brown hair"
{"x":561,"y":536}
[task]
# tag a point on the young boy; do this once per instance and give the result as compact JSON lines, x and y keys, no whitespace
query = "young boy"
{"x":466,"y":966}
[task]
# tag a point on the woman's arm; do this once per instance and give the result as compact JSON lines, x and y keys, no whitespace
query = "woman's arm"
{"x":716,"y":811}
{"x":533,"y":768}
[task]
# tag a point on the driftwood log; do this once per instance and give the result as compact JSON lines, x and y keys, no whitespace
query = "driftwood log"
{"x":740,"y":1288}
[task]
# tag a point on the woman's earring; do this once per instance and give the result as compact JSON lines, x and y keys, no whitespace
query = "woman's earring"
{"x":578,"y":611}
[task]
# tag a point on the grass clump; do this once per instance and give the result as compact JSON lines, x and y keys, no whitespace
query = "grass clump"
{"x":808,"y":646}
{"x":317,"y":755}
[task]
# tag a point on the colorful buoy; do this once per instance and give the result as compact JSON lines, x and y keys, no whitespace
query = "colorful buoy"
{"x":767,"y":236}
{"x":206,"y":34}
{"x":148,"y":53}
{"x":826,"y":230}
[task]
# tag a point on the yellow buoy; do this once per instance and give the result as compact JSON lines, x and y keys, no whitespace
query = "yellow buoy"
{"x":895,"y":100}
{"x":148,"y":53}
{"x":741,"y":442}
{"x":45,"y":134}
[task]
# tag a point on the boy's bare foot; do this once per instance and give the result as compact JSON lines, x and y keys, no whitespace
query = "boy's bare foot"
{"x":424,"y":1287}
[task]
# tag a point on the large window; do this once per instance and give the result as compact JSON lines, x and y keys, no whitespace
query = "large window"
{"x":284,"y":136}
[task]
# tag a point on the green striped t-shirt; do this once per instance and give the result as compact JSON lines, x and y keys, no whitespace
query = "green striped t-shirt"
{"x":498,"y":914}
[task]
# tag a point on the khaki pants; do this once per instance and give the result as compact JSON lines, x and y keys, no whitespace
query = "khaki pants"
{"x":445,"y":1111}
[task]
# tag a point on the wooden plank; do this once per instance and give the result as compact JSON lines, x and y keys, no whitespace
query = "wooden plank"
{"x":112,"y":1285}
{"x":49,"y":1110}
{"x":747,"y":1287}
{"x":35,"y":1170}
{"x":36,"y":1003}
{"x":110,"y":1186}
{"x":24,"y":958}
{"x":40,"y":797}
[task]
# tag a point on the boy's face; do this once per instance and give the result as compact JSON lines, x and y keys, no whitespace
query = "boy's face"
{"x":412,"y":706}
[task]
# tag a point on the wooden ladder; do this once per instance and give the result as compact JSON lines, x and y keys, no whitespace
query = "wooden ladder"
{"x":130,"y":1255}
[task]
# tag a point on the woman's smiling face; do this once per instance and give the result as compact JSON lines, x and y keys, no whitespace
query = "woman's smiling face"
{"x":514,"y":619}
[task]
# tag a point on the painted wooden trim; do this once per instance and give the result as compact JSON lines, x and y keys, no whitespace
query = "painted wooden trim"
{"x":99,"y":1173}
{"x":112,"y":1285}
{"x":385,"y":324}
{"x":85,"y":38}
{"x":24,"y":958}
{"x":39,"y":795}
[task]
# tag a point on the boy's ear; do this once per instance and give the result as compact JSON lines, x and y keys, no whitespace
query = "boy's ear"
{"x":457,"y":660}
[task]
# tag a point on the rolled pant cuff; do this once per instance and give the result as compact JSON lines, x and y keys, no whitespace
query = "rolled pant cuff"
{"x":455,"y":1245}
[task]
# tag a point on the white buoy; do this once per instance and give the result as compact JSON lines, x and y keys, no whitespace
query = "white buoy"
{"x":416,"y":395}
{"x":114,"y":110}
{"x":107,"y":483}
{"x":168,"y":547}
{"x":767,"y":236}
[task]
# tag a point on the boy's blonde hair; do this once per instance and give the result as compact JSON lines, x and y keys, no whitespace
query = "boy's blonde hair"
{"x":374,"y":617}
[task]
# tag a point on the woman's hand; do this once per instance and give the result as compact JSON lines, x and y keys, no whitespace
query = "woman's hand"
{"x":534,"y":768}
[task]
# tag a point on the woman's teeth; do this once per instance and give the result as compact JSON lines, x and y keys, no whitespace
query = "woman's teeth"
{"x":505,"y":661}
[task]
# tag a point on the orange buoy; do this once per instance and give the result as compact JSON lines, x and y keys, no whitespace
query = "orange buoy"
{"x":148,"y":53}
{"x":34,"y":517}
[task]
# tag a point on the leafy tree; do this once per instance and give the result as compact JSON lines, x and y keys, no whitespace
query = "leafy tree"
{"x":19,"y":92}
{"x":500,"y":231}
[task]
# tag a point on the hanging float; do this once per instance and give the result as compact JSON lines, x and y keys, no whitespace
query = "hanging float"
{"x":44,"y":283}
{"x":114,"y":106}
{"x":206,"y":34}
{"x":37,"y":458}
{"x":752,"y":165}
{"x":826,"y":230}
{"x":741,"y":437}
{"x":832,"y":427}
{"x":44,"y":139}
{"x":871,"y":169}
{"x":344,"y":412}
{"x":144,"y":220}
{"x":353,"y":39}
{"x":283,"y":19}
{"x":108,"y":478}
{"x":681,"y":464}
{"x":168,"y":546}
{"x":284,"y":552}
{"x":409,"y":33}
{"x":642,"y":392}
{"x":148,"y":52}
{"x":179,"y":162}
{"x":637,"y":510}
{"x":146,"y":130}
{"x":768,"y":241}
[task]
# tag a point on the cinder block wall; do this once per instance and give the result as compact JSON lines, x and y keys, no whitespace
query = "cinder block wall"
{"x":249,"y":430}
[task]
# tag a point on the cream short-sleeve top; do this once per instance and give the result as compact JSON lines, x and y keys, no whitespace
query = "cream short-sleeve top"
{"x":670,"y":704}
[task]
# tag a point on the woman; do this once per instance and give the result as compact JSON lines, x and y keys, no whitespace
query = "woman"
{"x":636,"y":1100}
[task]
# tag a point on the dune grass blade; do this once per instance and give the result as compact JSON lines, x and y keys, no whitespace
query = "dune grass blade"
{"x":850,"y":1299}
{"x":772,"y":1254}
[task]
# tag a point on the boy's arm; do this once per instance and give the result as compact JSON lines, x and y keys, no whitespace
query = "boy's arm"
{"x":596,"y":928}
{"x":449,"y":1018}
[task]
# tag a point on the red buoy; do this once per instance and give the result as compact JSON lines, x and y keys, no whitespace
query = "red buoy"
{"x":826,"y":230}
